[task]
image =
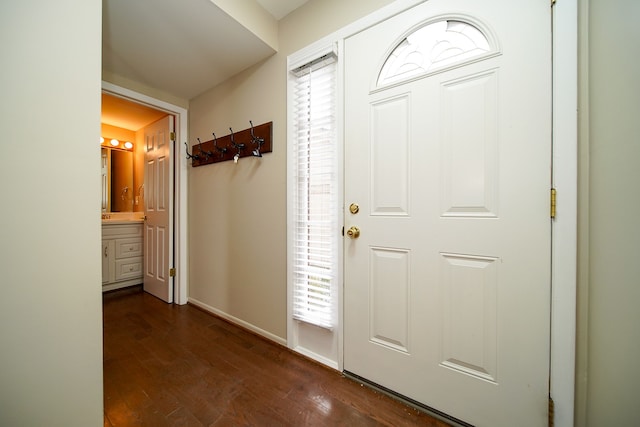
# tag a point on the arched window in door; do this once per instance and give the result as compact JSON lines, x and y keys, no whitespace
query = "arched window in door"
{"x":432,"y":47}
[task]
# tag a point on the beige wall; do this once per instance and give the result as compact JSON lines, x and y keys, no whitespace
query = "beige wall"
{"x":50,"y":309}
{"x":608,"y":380}
{"x":237,"y":212}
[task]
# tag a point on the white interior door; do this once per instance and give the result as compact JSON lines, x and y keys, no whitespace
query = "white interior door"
{"x":158,"y":196}
{"x":447,"y":154}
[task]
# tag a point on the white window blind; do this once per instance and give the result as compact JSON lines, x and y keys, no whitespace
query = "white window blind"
{"x":314,"y":199}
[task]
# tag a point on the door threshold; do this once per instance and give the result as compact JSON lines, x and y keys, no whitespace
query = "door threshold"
{"x":454,"y":422}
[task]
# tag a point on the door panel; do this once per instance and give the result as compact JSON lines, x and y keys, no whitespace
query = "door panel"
{"x":470,"y":145}
{"x":469,"y":314}
{"x":158,"y":235}
{"x":390,"y":305}
{"x":447,"y":286}
{"x":390,"y":168}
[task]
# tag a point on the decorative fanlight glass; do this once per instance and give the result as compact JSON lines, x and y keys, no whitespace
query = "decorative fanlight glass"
{"x":434,"y":46}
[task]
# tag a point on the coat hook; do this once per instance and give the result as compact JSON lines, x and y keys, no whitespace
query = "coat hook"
{"x":193,"y":156}
{"x":256,"y":140}
{"x":239,"y":147}
{"x":207,"y":154}
{"x":221,"y":150}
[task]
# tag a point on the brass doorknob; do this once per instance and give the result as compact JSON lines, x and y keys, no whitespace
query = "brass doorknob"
{"x":353,"y":232}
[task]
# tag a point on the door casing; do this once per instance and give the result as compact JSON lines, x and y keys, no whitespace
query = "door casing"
{"x":180,"y":173}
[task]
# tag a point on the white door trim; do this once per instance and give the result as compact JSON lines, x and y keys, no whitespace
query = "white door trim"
{"x":180,"y":197}
{"x":564,"y":235}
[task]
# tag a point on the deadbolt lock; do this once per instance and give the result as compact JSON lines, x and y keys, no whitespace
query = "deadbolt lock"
{"x":353,"y":232}
{"x":354,"y":208}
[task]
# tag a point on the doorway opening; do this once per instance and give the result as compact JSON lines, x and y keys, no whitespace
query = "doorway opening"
{"x":131,"y":109}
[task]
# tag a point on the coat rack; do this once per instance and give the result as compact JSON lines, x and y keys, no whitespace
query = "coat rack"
{"x":250,"y":142}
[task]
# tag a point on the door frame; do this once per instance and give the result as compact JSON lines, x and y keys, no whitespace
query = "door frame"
{"x":564,"y":238}
{"x":565,"y":178}
{"x":179,"y":198}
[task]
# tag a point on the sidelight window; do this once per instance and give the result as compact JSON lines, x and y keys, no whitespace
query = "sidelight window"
{"x":313,"y":193}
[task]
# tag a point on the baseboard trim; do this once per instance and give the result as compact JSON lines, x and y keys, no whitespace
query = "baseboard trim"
{"x":232,"y":319}
{"x":316,"y":357}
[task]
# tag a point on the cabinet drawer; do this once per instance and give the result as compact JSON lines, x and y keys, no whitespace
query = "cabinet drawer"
{"x":126,"y":248}
{"x":128,"y":268}
{"x":114,"y":231}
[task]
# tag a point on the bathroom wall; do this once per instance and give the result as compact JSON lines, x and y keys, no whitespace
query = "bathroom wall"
{"x":237,"y":212}
{"x":121,"y":134}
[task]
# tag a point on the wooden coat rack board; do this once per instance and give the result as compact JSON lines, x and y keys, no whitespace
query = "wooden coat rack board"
{"x":223,"y":150}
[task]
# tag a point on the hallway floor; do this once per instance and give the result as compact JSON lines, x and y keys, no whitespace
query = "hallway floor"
{"x":169,"y":365}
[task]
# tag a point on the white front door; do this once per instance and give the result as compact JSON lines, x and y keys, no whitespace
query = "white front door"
{"x":447,"y":155}
{"x":158,"y":196}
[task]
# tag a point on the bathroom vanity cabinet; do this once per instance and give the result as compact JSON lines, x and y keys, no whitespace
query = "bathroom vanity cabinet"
{"x":122,"y":260}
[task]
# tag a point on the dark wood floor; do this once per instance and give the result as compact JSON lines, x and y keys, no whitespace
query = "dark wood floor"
{"x":167,"y":365}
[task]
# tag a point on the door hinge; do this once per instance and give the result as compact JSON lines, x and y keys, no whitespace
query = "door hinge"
{"x":172,"y":272}
{"x":551,"y":411}
{"x":172,"y":136}
{"x":553,"y":203}
{"x":553,"y":3}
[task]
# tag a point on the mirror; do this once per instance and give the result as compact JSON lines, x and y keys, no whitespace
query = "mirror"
{"x":122,"y":143}
{"x":118,"y":192}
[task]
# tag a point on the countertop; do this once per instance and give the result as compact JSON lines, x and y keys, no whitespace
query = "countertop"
{"x":121,"y":221}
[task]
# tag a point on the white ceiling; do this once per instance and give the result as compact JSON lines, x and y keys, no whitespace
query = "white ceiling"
{"x":181,"y":47}
{"x":281,"y":8}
